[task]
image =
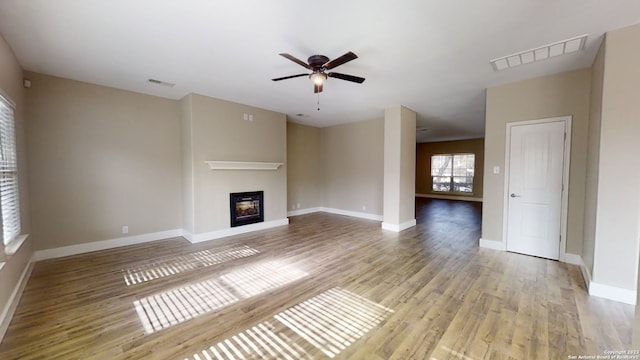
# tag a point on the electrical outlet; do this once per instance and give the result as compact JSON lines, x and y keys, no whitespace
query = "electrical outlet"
{"x":298,"y":206}
{"x":125,"y":229}
{"x":364,"y":207}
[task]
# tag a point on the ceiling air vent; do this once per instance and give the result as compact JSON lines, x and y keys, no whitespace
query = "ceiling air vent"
{"x":540,"y":53}
{"x":160,"y":82}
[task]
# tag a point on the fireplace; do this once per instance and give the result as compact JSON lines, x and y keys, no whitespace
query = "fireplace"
{"x":246,"y":208}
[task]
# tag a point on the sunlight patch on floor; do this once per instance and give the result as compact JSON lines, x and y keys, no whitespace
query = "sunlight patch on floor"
{"x":334,"y":319}
{"x":168,"y":308}
{"x":172,"y":307}
{"x":330,"y":322}
{"x":252,"y":280}
{"x":178,"y":264}
{"x":261,"y":341}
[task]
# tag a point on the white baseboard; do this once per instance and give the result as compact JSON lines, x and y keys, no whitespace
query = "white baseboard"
{"x":576,"y":259}
{"x":573,"y":259}
{"x":612,"y":293}
{"x":187,"y":235}
{"x":601,"y":290}
{"x":356,"y":214}
{"x":450,"y":197}
{"x":398,"y":227}
{"x":14,"y":299}
{"x":492,"y":244}
{"x":586,"y":274}
{"x":104,"y":244}
{"x":196,"y":238}
{"x":304,"y":211}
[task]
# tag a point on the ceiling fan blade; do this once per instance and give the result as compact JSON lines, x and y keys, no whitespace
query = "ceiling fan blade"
{"x":341,"y":60}
{"x":356,"y":79}
{"x":317,"y":89}
{"x":289,"y":77}
{"x":296,"y":60}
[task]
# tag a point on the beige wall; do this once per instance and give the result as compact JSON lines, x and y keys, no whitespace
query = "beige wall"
{"x":544,"y":97}
{"x":618,"y":203}
{"x":100,"y":158}
{"x":353,"y":166}
{"x":304,"y":172}
{"x":399,"y":168}
{"x":407,"y":165}
{"x":220,"y":133}
{"x":16,"y":264}
{"x":593,"y":159}
{"x":424,"y":151}
{"x":186,"y":129}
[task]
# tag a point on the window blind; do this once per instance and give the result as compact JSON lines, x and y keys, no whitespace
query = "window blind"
{"x":9,"y":202}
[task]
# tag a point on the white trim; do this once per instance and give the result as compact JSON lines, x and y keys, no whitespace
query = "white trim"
{"x":565,"y":188}
{"x":565,"y":178}
{"x":586,"y":274}
{"x":12,"y":303}
{"x":104,"y":244}
{"x":196,"y":238}
{"x":398,"y":227}
{"x":13,"y":247}
{"x":187,"y":235}
{"x":573,"y":259}
{"x":612,"y":293}
{"x":304,"y":211}
{"x":450,"y":197}
{"x":601,"y":290}
{"x":357,"y":214}
{"x":492,"y":244}
{"x":242,"y":165}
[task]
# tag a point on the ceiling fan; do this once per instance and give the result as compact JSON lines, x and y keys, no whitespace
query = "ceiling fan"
{"x":318,"y":64}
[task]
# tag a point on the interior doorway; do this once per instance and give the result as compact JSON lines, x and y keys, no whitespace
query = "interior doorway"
{"x":535,"y":190}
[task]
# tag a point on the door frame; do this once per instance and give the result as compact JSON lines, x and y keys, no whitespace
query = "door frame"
{"x":565,"y":179}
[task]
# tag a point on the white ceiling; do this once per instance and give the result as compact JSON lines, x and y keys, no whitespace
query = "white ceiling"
{"x":430,"y":56}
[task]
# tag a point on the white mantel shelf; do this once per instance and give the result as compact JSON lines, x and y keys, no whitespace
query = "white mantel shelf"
{"x":242,"y":165}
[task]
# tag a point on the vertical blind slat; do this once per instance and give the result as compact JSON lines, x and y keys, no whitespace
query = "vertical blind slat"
{"x":9,"y":201}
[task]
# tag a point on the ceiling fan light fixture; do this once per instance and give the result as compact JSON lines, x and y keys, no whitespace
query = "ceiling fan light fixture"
{"x":318,"y":78}
{"x":318,"y":64}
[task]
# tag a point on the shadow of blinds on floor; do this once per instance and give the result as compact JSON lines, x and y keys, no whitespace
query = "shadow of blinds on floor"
{"x":329,"y":322}
{"x":177,"y":264}
{"x":168,"y":308}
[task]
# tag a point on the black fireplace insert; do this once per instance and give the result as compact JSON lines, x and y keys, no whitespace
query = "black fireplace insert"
{"x":246,"y":208}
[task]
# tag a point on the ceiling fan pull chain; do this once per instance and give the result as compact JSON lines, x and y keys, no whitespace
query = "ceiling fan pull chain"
{"x":318,"y":101}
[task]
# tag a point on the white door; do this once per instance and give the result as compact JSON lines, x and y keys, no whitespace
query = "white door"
{"x":536,"y":167}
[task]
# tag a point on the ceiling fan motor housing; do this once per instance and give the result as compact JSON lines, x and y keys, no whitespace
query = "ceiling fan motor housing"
{"x":316,"y":61}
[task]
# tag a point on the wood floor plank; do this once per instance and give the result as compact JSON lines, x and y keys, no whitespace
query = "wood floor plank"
{"x":325,"y":286}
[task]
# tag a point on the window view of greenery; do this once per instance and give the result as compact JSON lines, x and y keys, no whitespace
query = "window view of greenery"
{"x":453,"y":173}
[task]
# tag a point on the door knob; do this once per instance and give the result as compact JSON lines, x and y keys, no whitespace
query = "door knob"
{"x":514,"y":195}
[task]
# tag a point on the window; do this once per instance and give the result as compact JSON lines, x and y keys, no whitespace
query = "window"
{"x":9,"y":204}
{"x":453,"y":172}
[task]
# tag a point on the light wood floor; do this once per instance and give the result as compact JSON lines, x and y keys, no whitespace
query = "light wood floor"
{"x":325,"y":286}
